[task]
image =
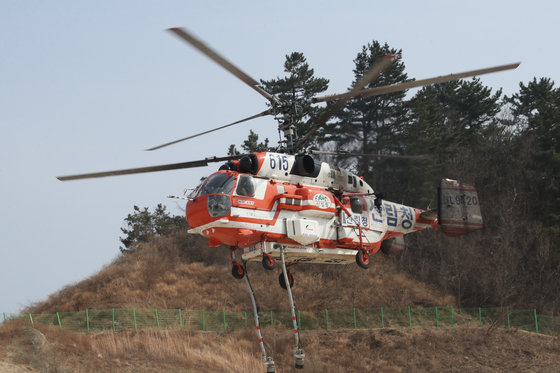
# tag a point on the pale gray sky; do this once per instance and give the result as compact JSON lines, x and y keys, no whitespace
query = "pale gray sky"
{"x":85,"y":86}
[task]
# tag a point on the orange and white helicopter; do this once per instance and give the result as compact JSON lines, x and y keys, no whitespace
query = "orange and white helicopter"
{"x":288,"y":206}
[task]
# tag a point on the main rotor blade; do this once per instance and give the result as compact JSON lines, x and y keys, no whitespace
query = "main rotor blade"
{"x":266,"y":112}
{"x":369,"y":155}
{"x":214,"y":56}
{"x":139,"y":170}
{"x":370,"y":76}
{"x":419,"y":83}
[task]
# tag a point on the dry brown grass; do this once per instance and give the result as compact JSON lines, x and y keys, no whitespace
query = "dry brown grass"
{"x":179,"y":271}
{"x":383,"y":350}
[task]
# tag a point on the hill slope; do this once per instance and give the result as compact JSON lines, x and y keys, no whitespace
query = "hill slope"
{"x":180,"y":272}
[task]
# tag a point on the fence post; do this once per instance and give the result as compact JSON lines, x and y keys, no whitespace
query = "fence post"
{"x":409,"y":318}
{"x":224,"y":315}
{"x":203,"y":322}
{"x":4,"y":316}
{"x":437,"y":318}
{"x":87,"y":319}
{"x":508,"y":322}
{"x":327,"y":318}
{"x":31,"y":319}
{"x":113,"y":312}
{"x":452,"y":320}
{"x":134,"y":317}
{"x":59,"y":323}
{"x":271,"y":318}
{"x":536,"y":320}
{"x":245,"y":313}
{"x":382,"y":319}
{"x":157,"y":318}
{"x":479,"y":317}
{"x":180,"y":318}
{"x":355,"y":321}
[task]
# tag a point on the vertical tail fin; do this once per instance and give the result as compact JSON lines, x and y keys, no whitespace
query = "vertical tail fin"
{"x":458,"y":208}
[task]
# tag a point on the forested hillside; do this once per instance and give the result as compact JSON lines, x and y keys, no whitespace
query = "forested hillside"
{"x":507,"y":146}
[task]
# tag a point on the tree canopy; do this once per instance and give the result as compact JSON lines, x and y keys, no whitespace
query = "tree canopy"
{"x":509,"y":147}
{"x":142,"y":225}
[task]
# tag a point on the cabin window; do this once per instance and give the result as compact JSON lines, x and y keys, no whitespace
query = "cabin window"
{"x":349,"y":179}
{"x":220,"y":183}
{"x":245,"y":186}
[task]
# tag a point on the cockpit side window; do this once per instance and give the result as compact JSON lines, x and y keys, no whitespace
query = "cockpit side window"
{"x":221,"y":183}
{"x":245,"y":186}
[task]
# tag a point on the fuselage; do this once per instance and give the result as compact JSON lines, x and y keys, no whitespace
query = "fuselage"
{"x":296,"y":202}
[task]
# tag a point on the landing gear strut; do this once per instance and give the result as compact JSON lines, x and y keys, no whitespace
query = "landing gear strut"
{"x":298,"y":351}
{"x":239,"y":271}
{"x":267,"y":360}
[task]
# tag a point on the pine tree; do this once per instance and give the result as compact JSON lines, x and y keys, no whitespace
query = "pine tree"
{"x":448,"y":122}
{"x":537,"y":109}
{"x":369,"y":125}
{"x":142,"y":225}
{"x":295,"y":91}
{"x":251,"y":145}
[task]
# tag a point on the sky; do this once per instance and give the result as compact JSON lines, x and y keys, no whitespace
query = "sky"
{"x":87,"y":85}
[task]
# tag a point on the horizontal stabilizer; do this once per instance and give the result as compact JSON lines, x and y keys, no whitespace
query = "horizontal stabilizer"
{"x":429,"y":214}
{"x":458,"y":208}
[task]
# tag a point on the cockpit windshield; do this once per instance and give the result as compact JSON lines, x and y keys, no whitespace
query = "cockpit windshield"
{"x":220,"y":183}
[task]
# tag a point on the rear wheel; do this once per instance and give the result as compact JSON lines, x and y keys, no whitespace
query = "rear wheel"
{"x":363,"y":259}
{"x":283,"y":282}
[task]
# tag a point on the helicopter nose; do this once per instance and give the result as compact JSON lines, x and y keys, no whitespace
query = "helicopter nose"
{"x":206,"y":209}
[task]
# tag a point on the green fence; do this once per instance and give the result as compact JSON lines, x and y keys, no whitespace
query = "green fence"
{"x":115,"y":319}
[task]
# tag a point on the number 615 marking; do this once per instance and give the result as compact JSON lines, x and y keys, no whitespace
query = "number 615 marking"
{"x":279,"y":161}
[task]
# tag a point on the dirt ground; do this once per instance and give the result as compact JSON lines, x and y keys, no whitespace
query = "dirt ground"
{"x":51,"y":350}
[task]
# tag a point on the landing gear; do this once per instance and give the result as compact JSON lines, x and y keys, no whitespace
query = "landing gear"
{"x":282,"y":280}
{"x":268,"y":262}
{"x":363,"y":259}
{"x":298,"y":351}
{"x":237,"y":270}
{"x":240,"y":271}
{"x":267,"y":360}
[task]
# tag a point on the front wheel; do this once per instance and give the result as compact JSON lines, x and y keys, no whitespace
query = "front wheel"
{"x":268,"y":262}
{"x":237,"y":270}
{"x":363,"y":259}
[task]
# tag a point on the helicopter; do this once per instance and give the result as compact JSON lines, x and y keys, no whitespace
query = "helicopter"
{"x":287,"y":206}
